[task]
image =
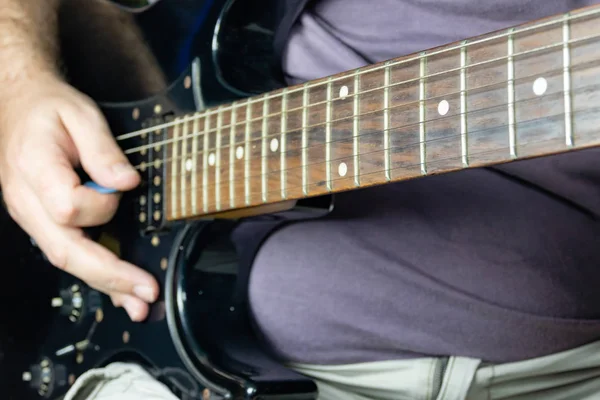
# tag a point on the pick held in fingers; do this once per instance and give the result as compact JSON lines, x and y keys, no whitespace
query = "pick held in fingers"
{"x":99,"y":153}
{"x":93,"y":207}
{"x":56,"y":184}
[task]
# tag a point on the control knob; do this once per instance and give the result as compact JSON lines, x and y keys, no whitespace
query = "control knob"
{"x":45,"y":377}
{"x":75,"y":302}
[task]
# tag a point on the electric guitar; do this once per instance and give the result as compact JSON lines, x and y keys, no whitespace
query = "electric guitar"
{"x":210,"y":158}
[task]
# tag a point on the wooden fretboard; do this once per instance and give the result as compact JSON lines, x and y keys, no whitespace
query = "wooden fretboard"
{"x":525,"y":92}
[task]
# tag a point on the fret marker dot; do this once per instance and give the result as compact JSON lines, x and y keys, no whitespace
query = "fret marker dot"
{"x":274,"y":145}
{"x":239,"y":152}
{"x":343,"y":169}
{"x":344,"y":91}
{"x":443,"y":107}
{"x":188,"y":165}
{"x":540,"y":86}
{"x":212,"y":159}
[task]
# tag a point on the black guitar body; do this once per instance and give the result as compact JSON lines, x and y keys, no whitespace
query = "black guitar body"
{"x":198,"y":339}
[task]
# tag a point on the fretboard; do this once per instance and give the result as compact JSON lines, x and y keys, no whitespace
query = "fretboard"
{"x":530,"y":91}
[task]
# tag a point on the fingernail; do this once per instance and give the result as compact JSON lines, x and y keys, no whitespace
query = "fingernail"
{"x":123,"y":169}
{"x":145,"y":293}
{"x":133,"y":309}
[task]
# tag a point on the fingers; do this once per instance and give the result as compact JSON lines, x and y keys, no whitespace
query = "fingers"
{"x":135,"y":308}
{"x":68,"y":249}
{"x":45,"y":195}
{"x":53,"y":179}
{"x":93,"y":208}
{"x":99,"y":153}
{"x":100,"y":268}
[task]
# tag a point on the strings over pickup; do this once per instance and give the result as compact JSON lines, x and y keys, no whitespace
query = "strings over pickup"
{"x":149,"y":156}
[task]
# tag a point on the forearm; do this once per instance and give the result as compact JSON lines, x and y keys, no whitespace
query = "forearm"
{"x":28,"y":39}
{"x":101,"y":46}
{"x":105,"y":53}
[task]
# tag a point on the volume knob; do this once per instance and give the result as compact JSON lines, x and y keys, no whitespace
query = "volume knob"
{"x":45,"y":377}
{"x":74,"y":302}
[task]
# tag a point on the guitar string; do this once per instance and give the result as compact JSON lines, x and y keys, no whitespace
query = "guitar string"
{"x":243,"y":106}
{"x":181,"y":121}
{"x":395,"y":149}
{"x":259,"y":99}
{"x":299,"y":188}
{"x":451,"y":95}
{"x":566,"y":18}
{"x":471,"y":113}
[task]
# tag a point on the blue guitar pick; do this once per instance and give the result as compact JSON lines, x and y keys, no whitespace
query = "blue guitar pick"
{"x":100,"y":189}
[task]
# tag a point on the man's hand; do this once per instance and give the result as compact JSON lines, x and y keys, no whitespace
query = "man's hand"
{"x":46,"y":129}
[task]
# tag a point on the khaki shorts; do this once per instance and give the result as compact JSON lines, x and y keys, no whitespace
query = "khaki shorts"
{"x":572,"y":374}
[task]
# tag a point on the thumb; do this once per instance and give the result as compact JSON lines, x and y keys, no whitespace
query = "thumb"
{"x":99,"y":154}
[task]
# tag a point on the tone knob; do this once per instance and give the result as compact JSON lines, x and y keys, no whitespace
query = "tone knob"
{"x":45,"y":377}
{"x":76,"y":301}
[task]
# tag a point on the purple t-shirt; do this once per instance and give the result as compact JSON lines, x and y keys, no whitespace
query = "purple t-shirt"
{"x":497,"y":264}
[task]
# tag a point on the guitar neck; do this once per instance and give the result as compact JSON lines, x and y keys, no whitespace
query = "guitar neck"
{"x":529,"y":91}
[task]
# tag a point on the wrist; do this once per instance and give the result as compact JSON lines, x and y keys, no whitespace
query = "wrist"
{"x":20,"y":69}
{"x":28,"y":49}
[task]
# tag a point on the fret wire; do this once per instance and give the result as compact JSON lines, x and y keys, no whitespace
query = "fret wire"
{"x":184,"y":169}
{"x":473,"y":155}
{"x":264,"y":134}
{"x":482,"y":131}
{"x":557,"y":95}
{"x":175,"y":156}
{"x":304,"y":140}
{"x":195,"y":130}
{"x":218,"y":159}
{"x":463,"y":106}
{"x":386,"y":122}
{"x":355,"y":129}
{"x":328,"y":137}
{"x":551,"y":22}
{"x":247,"y":154}
{"x":410,"y":104}
{"x":422,"y":130}
{"x":283,"y":143}
{"x":512,"y":135}
{"x":444,"y":72}
{"x":232,"y":156}
{"x":573,"y":41}
{"x":205,"y":165}
{"x":457,"y":93}
{"x":567,"y":82}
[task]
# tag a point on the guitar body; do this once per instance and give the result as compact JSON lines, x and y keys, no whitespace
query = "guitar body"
{"x":198,"y":339}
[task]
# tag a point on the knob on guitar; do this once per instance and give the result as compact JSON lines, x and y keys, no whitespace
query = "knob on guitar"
{"x":76,"y":302}
{"x":45,"y":377}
